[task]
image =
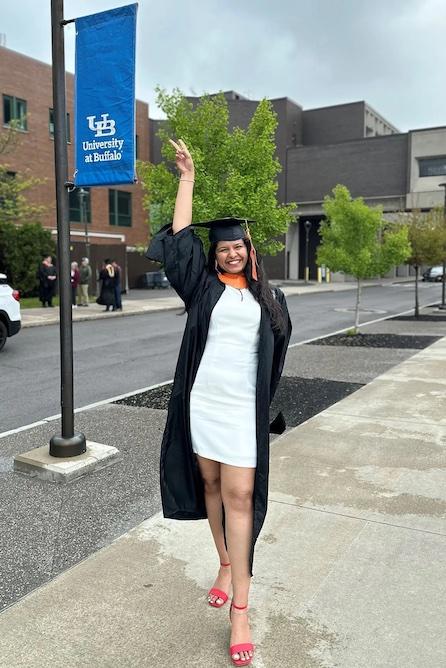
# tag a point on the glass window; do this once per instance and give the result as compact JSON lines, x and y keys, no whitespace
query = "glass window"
{"x":120,"y":208}
{"x":51,"y":125}
{"x":14,"y":109}
{"x":75,"y":206}
{"x":432,"y":166}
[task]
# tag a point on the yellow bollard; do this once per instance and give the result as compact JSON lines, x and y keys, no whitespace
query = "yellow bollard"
{"x":319,"y":275}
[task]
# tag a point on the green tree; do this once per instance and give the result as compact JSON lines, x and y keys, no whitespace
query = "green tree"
{"x":21,"y":251}
{"x":427,"y":236}
{"x":9,"y":136}
{"x":358,"y":241}
{"x":14,"y":206}
{"x":23,"y":240}
{"x":235,"y":171}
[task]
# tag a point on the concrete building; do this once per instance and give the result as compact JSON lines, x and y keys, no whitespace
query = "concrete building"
{"x":318,"y":148}
{"x":116,"y":219}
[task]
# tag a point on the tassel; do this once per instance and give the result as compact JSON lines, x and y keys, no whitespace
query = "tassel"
{"x":252,"y":254}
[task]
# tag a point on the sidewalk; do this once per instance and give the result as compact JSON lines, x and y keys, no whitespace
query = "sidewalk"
{"x":349,"y":569}
{"x":145,"y":301}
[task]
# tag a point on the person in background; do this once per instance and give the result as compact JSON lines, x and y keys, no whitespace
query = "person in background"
{"x":107,"y":278}
{"x":84,"y":283}
{"x":118,"y":273}
{"x":75,"y":278}
{"x":47,"y":276}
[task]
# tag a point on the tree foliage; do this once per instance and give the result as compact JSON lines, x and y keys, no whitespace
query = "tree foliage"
{"x":235,"y":171}
{"x":427,"y":235}
{"x":357,"y":240}
{"x":14,"y":205}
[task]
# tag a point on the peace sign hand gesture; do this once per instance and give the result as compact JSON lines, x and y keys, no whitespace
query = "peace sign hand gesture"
{"x":183,"y":159}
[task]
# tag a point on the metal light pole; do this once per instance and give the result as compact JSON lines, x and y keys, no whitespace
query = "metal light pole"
{"x":69,"y":444}
{"x":443,"y":282}
{"x":83,"y":194}
{"x":307,"y":225}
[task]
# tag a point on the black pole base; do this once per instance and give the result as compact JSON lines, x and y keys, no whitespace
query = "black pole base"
{"x":68,"y":447}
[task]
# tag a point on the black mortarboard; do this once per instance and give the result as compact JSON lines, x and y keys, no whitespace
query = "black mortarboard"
{"x":225,"y":229}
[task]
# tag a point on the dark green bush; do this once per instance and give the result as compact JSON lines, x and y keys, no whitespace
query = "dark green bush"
{"x":21,"y":251}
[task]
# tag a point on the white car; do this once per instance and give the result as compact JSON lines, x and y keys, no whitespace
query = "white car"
{"x":10,"y":319}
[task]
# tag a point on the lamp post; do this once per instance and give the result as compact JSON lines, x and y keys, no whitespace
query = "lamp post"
{"x":443,"y":282}
{"x":307,"y":225}
{"x":69,"y":443}
{"x":83,"y":194}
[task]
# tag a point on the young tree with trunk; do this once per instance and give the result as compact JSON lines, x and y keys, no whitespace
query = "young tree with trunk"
{"x":358,"y":241}
{"x":427,"y":236}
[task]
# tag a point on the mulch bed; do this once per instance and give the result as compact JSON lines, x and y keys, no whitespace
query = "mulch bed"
{"x":156,"y":398}
{"x":301,"y":398}
{"x":421,"y":318}
{"x":298,"y":398}
{"x":377,"y":341}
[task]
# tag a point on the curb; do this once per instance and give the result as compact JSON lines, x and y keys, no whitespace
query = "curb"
{"x":100,"y":316}
{"x":121,"y":314}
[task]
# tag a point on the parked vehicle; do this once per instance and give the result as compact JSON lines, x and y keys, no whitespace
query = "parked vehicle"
{"x":10,"y":318}
{"x":154,"y":279}
{"x":433,"y":274}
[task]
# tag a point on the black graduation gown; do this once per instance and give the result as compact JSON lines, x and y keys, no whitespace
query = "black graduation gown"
{"x":182,"y":492}
{"x":107,"y":293}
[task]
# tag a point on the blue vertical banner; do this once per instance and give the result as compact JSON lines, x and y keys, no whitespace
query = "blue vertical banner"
{"x":105,"y":98}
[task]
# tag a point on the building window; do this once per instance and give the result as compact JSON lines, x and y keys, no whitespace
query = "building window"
{"x":75,"y":206}
{"x":120,"y":208}
{"x":136,"y":146}
{"x":14,"y":109}
{"x":51,"y":125}
{"x":432,"y":166}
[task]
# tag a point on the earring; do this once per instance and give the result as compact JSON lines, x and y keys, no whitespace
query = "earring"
{"x":216,"y":267}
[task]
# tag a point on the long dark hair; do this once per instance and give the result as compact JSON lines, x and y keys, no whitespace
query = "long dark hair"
{"x":260,"y":289}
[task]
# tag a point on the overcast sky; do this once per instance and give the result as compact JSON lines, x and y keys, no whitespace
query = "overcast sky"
{"x":389,"y":53}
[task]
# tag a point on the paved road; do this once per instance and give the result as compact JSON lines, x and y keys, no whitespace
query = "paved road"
{"x":125,"y":354}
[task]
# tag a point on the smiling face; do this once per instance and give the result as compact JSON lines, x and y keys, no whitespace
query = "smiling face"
{"x":232,"y":256}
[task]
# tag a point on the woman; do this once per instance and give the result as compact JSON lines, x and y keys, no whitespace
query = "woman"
{"x":215,"y":449}
{"x":75,"y":277}
{"x":107,"y":277}
{"x":47,"y":281}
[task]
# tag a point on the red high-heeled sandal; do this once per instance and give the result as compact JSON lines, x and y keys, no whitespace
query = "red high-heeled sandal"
{"x":217,"y":592}
{"x":241,"y":647}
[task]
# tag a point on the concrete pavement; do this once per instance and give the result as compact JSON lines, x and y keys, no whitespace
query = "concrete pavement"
{"x":145,"y":301}
{"x":349,"y":568}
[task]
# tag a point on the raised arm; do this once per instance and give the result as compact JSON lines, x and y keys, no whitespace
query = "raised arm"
{"x":182,"y":216}
{"x":176,"y":246}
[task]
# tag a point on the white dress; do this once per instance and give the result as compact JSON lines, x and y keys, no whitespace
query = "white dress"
{"x":223,"y":397}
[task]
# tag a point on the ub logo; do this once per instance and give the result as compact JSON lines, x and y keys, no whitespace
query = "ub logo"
{"x":103,"y":128}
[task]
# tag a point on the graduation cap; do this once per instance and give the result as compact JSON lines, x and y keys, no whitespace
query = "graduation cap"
{"x":230,"y":229}
{"x":225,"y":229}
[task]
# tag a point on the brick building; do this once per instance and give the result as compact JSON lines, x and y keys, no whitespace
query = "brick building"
{"x":116,"y":219}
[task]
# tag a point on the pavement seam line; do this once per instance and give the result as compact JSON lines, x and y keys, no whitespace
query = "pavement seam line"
{"x":355,"y":517}
{"x":335,"y":563}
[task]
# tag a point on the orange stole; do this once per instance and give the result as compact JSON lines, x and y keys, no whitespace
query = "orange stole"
{"x":234,"y":280}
